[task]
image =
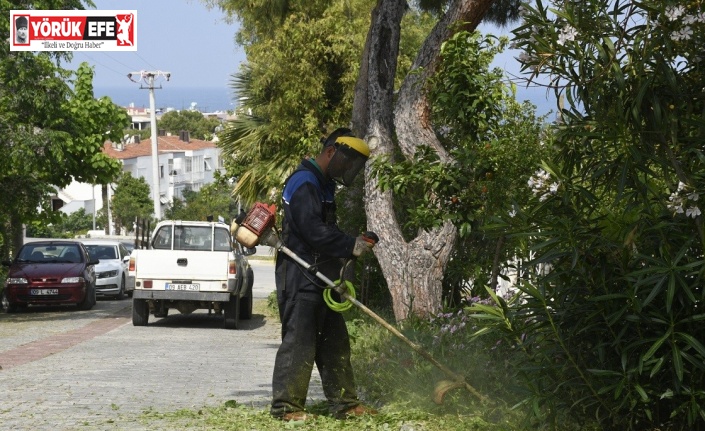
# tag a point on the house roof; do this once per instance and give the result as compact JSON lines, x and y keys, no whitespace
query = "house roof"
{"x":165,"y":144}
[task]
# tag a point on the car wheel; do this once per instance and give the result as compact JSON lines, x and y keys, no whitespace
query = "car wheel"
{"x":94,"y":296}
{"x":140,"y":312}
{"x":121,"y":294}
{"x":231,"y":313}
{"x":246,"y":307}
{"x":7,"y":307}
{"x":89,"y":300}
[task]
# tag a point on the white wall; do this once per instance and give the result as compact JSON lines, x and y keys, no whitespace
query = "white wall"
{"x":80,"y":193}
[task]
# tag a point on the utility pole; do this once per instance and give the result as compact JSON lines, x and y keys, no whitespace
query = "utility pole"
{"x":148,"y":78}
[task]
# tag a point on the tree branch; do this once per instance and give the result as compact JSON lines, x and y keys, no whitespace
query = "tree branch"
{"x":412,"y":115}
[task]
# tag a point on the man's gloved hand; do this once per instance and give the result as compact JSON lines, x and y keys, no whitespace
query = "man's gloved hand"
{"x":363,"y":244}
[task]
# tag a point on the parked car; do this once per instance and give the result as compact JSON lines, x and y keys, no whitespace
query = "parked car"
{"x":129,"y":245}
{"x":111,"y":271}
{"x":50,"y":273}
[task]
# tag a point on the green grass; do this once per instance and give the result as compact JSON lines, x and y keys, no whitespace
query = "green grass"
{"x":231,"y":416}
{"x":261,"y":257}
{"x":395,"y":380}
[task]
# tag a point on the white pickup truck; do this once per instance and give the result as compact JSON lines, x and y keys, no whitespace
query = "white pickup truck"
{"x":191,"y":265}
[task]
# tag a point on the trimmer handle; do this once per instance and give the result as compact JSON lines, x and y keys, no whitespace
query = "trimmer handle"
{"x":370,"y":237}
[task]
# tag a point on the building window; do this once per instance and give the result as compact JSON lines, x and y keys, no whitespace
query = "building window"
{"x":161,"y":171}
{"x":189,"y":163}
{"x":197,"y":163}
{"x":207,"y":164}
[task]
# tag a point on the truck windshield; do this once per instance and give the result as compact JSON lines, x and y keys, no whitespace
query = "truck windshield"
{"x":192,"y":238}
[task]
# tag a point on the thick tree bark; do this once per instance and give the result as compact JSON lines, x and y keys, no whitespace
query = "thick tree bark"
{"x":412,"y":114}
{"x":373,"y":118}
{"x":413,"y":270}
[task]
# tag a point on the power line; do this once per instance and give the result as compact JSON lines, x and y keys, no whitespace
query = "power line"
{"x":118,"y":61}
{"x":148,"y":64}
{"x":92,"y":60}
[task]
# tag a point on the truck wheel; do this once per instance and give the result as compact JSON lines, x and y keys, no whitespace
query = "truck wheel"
{"x":246,"y":307}
{"x":231,"y":313}
{"x":140,"y":312}
{"x":246,"y":302}
{"x":89,"y":300}
{"x":251,"y":278}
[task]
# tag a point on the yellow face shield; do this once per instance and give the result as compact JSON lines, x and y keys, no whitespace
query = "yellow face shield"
{"x":349,"y":158}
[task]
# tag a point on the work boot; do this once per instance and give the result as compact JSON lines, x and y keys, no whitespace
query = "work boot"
{"x":298,"y":416}
{"x":358,"y":410}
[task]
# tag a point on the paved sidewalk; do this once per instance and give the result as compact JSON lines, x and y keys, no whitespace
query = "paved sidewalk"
{"x":57,"y":343}
{"x":85,"y":373}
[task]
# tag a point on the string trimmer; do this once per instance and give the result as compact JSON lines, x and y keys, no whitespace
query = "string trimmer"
{"x":257,"y":227}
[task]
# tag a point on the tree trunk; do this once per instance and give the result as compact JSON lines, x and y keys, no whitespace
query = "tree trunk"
{"x":104,"y":195}
{"x":17,"y":232}
{"x":413,"y":270}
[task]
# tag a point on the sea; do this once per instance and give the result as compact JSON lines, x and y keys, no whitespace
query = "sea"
{"x":171,"y":97}
{"x":221,"y":99}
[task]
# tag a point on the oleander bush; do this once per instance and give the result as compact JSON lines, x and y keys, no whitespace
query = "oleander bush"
{"x":608,"y":325}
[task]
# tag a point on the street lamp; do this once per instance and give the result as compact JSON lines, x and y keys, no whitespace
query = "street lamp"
{"x":149,"y":79}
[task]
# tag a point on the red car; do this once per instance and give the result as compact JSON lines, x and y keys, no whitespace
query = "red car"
{"x":50,"y":273}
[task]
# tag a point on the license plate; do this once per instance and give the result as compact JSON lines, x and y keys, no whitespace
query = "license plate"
{"x":44,"y":291}
{"x":172,"y":286}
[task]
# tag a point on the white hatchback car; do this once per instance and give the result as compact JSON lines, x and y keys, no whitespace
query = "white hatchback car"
{"x":111,"y":271}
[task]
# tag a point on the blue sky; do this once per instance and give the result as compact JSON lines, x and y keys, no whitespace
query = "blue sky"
{"x":544,"y":101}
{"x":182,"y":37}
{"x":197,"y":47}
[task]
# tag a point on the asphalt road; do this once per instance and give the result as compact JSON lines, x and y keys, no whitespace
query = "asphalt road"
{"x":64,"y":369}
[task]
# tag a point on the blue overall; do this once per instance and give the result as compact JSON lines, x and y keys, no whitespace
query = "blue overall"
{"x":311,"y":332}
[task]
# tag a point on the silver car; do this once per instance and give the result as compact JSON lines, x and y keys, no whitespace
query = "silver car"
{"x":111,"y":271}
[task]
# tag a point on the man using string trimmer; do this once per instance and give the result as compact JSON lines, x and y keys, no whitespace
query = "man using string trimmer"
{"x":310,"y":251}
{"x":311,"y":331}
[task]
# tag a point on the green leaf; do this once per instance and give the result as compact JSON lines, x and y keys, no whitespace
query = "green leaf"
{"x":667,"y":394}
{"x":677,"y":362}
{"x":482,"y":311}
{"x":654,"y":347}
{"x":642,"y":393}
{"x":604,"y":373}
{"x":693,"y":343}
{"x":657,"y":367}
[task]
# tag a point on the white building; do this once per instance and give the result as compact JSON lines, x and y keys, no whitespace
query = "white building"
{"x":184,"y":164}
